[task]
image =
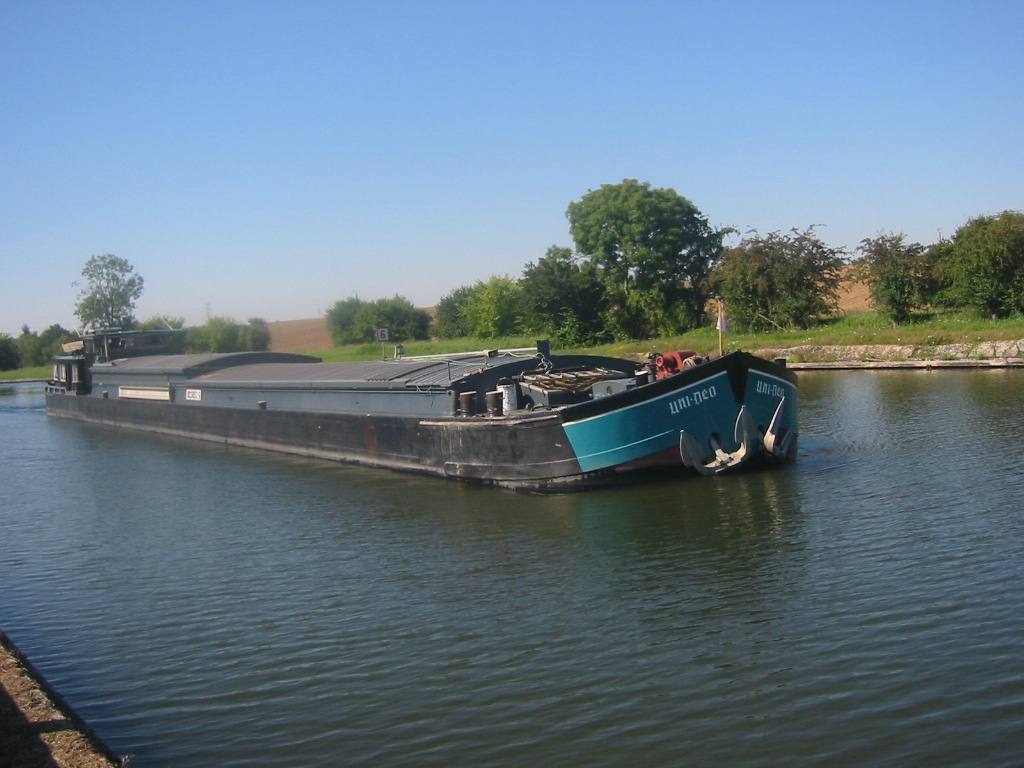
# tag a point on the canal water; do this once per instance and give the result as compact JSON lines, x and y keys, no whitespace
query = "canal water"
{"x":202,"y":605}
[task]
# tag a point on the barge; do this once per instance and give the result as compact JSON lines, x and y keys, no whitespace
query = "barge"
{"x":523,"y":419}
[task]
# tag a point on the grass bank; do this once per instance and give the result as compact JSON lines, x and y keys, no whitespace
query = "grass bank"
{"x":37,"y":372}
{"x":854,"y":328}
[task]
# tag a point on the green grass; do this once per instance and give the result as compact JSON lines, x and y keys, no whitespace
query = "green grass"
{"x":850,"y":329}
{"x":36,"y":372}
{"x":847,"y":330}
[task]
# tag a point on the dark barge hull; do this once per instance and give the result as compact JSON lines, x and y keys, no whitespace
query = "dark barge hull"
{"x":528,"y":453}
{"x":596,"y":442}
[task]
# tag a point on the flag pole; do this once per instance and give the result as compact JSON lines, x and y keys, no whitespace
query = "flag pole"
{"x":721,"y":326}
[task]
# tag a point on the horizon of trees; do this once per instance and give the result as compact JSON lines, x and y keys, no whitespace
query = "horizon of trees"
{"x":646,"y":263}
{"x":613,"y":287}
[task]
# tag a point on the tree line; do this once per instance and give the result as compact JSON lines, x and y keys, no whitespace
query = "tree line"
{"x":218,"y":334}
{"x":646,"y":263}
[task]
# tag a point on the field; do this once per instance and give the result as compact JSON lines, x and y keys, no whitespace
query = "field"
{"x":299,"y":335}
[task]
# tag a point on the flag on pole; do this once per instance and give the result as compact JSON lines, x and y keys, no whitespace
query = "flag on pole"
{"x":723,"y":323}
{"x":723,"y":327}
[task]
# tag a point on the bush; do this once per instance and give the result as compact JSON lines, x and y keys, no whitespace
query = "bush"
{"x":37,"y":349}
{"x":493,"y":308}
{"x":9,"y":358}
{"x":450,"y":322}
{"x":779,"y":281}
{"x":353,"y":321}
{"x":897,"y":274}
{"x":340,"y":318}
{"x":984,"y":267}
{"x":222,"y":334}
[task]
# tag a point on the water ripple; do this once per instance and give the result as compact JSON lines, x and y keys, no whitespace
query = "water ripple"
{"x":211,"y":606}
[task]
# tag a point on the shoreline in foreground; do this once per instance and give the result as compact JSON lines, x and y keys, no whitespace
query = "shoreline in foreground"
{"x":37,"y":726}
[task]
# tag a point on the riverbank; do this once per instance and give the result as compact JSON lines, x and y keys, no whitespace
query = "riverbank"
{"x":806,"y":357}
{"x":38,"y":729}
{"x":985,"y":354}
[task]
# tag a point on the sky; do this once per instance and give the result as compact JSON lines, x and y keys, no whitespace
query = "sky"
{"x":267,"y":159}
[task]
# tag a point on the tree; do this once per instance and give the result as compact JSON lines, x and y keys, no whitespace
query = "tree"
{"x":38,"y":348}
{"x":9,"y":357}
{"x":781,"y":281}
{"x":654,"y":249}
{"x":112,"y":288}
{"x":339,"y":320}
{"x":255,"y":335}
{"x":939,"y":282}
{"x":450,"y":322}
{"x":218,"y":334}
{"x":898,"y":275}
{"x":222,"y":334}
{"x":354,"y":321}
{"x":985,"y":267}
{"x":403,"y":320}
{"x":563,"y":298}
{"x":29,"y":348}
{"x":493,"y":308}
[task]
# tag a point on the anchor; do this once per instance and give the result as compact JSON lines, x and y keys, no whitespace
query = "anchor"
{"x":746,"y":434}
{"x":773,"y":445}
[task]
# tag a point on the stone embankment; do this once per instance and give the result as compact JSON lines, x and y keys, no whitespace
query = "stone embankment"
{"x":980,"y":354}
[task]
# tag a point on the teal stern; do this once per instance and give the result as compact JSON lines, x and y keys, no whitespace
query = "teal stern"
{"x":712,"y":417}
{"x":772,"y":402}
{"x":639,"y":432}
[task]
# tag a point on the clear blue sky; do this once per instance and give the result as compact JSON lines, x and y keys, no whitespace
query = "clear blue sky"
{"x":270,"y":158}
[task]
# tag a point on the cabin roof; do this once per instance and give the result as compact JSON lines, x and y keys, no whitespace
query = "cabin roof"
{"x":196,"y":364}
{"x":378,"y":372}
{"x":288,"y":370}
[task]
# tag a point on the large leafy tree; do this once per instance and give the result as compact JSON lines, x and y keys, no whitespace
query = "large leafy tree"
{"x":654,"y":249}
{"x":985,"y":264}
{"x":779,"y":281}
{"x":111,"y":289}
{"x":563,"y":298}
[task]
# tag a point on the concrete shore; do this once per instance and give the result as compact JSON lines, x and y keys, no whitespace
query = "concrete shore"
{"x":928,"y":365}
{"x":38,"y":729}
{"x":980,"y":354}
